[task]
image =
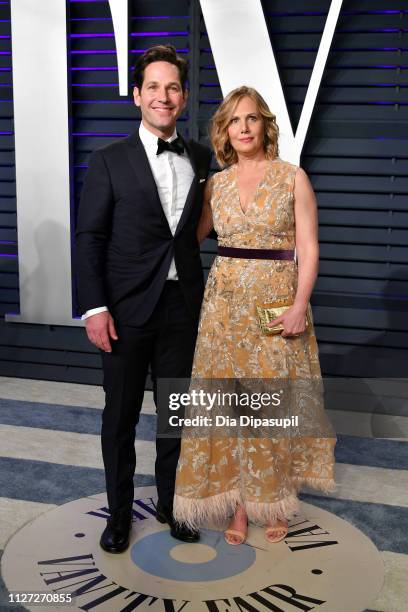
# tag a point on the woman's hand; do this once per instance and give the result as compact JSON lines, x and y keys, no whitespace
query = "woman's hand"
{"x":205,"y":224}
{"x":293,"y":321}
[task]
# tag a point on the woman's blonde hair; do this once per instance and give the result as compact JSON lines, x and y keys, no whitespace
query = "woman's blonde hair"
{"x":220,"y":121}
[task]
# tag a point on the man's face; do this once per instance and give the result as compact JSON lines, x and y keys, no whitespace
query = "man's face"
{"x":161,"y":98}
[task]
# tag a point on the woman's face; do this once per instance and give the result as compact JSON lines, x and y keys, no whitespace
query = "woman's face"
{"x":246,"y":128}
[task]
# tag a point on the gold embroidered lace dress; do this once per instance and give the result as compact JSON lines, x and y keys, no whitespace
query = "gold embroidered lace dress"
{"x":264,"y":474}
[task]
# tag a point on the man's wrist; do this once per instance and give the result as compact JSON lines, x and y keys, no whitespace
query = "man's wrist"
{"x":93,"y":311}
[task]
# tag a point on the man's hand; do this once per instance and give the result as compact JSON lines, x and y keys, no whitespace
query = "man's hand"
{"x":100,"y":329}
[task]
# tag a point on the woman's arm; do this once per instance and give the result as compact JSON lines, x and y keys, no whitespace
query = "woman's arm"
{"x":307,"y":246}
{"x":307,"y":251}
{"x":205,"y":224}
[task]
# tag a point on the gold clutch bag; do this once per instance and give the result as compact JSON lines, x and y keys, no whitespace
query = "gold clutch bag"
{"x":268,"y":312}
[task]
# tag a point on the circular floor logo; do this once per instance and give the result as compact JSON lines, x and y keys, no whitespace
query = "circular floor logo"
{"x":324,"y":564}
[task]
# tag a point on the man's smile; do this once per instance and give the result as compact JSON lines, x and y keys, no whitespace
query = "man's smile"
{"x":162,"y":109}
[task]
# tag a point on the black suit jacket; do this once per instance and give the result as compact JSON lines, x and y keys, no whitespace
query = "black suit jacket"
{"x":124,"y":245}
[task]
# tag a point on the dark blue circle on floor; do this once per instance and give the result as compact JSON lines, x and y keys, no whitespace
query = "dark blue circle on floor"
{"x":152,"y":555}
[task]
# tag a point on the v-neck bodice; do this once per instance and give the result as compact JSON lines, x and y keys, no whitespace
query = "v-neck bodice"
{"x":254,"y":195}
{"x":268,"y":221}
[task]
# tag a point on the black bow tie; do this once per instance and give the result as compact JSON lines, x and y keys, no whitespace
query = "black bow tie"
{"x":176,"y":146}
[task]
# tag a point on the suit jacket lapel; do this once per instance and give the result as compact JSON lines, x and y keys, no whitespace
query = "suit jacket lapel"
{"x":191,"y":196}
{"x":189,"y":146}
{"x":140,"y":164}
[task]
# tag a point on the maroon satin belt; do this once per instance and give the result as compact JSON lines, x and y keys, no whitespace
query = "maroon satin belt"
{"x":255,"y":253}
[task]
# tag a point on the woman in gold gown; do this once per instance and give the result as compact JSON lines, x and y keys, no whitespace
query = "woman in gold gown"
{"x":262,"y":208}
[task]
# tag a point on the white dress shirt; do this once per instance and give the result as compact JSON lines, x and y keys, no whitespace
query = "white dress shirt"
{"x":173,"y":175}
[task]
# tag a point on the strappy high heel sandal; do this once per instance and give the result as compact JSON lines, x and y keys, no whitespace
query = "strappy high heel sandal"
{"x":241,"y":535}
{"x":236,"y":533}
{"x":281,"y":527}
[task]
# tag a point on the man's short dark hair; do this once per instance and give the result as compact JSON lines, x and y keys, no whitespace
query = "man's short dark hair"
{"x":160,"y":53}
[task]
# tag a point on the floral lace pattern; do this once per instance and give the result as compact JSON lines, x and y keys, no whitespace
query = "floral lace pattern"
{"x":263,"y":474}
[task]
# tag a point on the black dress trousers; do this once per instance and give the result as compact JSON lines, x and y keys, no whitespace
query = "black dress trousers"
{"x":165,"y":343}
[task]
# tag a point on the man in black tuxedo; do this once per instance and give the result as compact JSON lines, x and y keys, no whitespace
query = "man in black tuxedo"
{"x":140,"y":280}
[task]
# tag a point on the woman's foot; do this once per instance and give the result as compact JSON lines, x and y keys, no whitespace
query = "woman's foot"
{"x":238,"y":528}
{"x":277,"y":531}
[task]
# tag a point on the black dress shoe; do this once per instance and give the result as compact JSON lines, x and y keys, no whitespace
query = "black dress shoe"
{"x":115,"y":537}
{"x":180,"y":532}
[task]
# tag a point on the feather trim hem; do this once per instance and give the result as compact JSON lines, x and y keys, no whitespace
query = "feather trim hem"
{"x":216,"y":509}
